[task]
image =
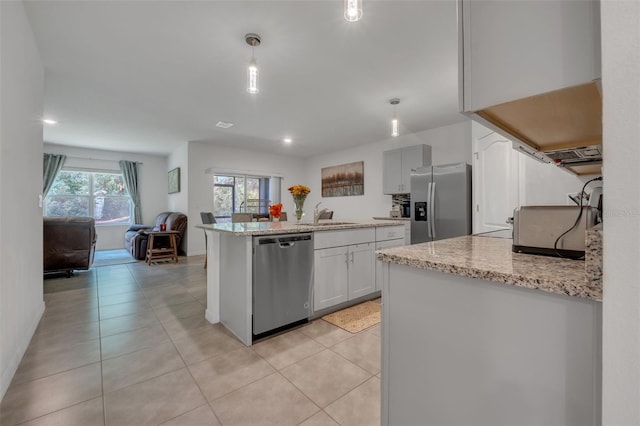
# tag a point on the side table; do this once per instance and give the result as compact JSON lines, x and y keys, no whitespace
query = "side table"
{"x":156,"y":253}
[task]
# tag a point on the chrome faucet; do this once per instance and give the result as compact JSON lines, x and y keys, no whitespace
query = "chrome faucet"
{"x":316,"y":213}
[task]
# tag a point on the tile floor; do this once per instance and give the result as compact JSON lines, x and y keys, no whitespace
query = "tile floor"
{"x":129,"y":345}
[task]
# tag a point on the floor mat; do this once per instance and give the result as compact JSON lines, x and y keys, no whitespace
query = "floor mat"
{"x":356,"y":318}
{"x":112,"y":257}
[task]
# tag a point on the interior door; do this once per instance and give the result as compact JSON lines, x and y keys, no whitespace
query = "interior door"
{"x":495,"y":182}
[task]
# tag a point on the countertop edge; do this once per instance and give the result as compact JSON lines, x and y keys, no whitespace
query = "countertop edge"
{"x":552,"y":283}
{"x":292,"y":228}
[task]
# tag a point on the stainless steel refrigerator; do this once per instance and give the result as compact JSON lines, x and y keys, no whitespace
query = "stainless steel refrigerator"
{"x":440,"y":202}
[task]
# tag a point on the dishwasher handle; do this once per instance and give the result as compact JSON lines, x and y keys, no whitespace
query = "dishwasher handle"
{"x":282,"y":241}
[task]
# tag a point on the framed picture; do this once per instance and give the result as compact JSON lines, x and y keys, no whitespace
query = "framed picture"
{"x":343,"y":180}
{"x":174,"y":180}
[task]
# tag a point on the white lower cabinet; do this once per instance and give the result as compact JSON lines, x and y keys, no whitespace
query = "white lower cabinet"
{"x":342,"y":274}
{"x":362,"y":280}
{"x":407,"y":233}
{"x":330,"y":277}
{"x":344,"y":266}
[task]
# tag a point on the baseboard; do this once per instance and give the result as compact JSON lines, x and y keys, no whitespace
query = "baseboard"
{"x":196,"y":253}
{"x":21,"y":348}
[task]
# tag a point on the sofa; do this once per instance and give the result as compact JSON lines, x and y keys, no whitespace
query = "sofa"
{"x":136,"y":237}
{"x":69,"y":243}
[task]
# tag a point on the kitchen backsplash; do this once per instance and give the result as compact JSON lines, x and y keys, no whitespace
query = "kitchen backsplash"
{"x":399,"y":199}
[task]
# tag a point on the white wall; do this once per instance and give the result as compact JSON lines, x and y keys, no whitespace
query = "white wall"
{"x":450,"y":144}
{"x":179,"y":201}
{"x":541,"y":183}
{"x":547,"y":184}
{"x":22,"y":82}
{"x":152,"y":179}
{"x":206,"y":159}
{"x":621,"y":310}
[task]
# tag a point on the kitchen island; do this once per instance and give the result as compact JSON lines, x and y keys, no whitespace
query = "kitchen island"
{"x":230,"y":264}
{"x":476,"y":334}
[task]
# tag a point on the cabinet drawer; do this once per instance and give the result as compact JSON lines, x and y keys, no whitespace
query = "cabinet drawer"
{"x":384,"y":233}
{"x":324,"y":239}
{"x":390,"y":244}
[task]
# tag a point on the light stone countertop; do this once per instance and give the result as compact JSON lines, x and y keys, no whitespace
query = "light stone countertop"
{"x":290,"y":227}
{"x":492,"y":259}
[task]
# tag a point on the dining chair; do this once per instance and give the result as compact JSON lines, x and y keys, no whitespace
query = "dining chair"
{"x":283,"y":217}
{"x":207,"y":218}
{"x":241,"y":217}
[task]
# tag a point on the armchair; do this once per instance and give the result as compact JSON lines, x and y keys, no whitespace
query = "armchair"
{"x":136,"y":239}
{"x":68,"y":243}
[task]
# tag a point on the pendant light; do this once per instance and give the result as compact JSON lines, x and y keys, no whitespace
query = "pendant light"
{"x":394,"y":121}
{"x":352,"y":10}
{"x":252,"y":40}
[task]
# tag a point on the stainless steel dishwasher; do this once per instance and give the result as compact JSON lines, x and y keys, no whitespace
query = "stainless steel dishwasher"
{"x":282,"y":281}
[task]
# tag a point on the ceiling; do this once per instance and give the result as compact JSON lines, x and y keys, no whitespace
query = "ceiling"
{"x":147,"y":76}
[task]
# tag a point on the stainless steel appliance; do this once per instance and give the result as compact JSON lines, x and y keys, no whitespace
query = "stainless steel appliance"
{"x":536,"y":229}
{"x":440,"y":202}
{"x":405,"y":208}
{"x":282,"y":281}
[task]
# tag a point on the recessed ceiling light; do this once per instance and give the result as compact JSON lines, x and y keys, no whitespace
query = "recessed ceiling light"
{"x":287,"y":140}
{"x":224,"y":124}
{"x":49,"y":121}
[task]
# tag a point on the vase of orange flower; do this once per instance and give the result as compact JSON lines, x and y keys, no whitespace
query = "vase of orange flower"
{"x":299,"y":193}
{"x":275,"y":210}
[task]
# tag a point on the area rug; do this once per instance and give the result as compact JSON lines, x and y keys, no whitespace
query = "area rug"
{"x":356,"y":318}
{"x":112,"y":257}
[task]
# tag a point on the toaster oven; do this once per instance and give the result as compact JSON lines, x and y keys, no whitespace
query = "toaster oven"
{"x":536,"y":229}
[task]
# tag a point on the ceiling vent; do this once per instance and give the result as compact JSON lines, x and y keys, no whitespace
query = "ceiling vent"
{"x":224,"y":124}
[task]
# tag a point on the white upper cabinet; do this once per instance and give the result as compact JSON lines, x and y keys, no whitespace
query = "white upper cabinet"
{"x":515,"y":49}
{"x":398,"y":164}
{"x":392,"y":172}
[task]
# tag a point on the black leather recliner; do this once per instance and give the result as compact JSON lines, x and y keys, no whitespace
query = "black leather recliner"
{"x":135,"y":238}
{"x":69,"y":243}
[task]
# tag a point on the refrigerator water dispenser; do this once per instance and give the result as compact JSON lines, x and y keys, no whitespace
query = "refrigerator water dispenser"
{"x":421,"y":211}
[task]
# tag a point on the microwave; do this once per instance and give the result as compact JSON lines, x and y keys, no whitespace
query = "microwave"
{"x":536,"y":229}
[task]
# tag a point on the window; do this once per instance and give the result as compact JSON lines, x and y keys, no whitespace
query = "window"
{"x":102,"y":196}
{"x":235,"y":194}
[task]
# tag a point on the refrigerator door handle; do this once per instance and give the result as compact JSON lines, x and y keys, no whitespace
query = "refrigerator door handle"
{"x":432,"y":211}
{"x":428,"y":212}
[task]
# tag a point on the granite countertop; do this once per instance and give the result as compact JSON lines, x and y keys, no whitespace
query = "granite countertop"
{"x":290,"y":227}
{"x":392,"y":218}
{"x":492,"y":259}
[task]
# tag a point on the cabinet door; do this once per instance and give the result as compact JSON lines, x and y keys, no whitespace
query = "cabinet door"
{"x":330,"y":277}
{"x":412,"y":158}
{"x":516,"y":49}
{"x":361,"y":270}
{"x":407,"y":233}
{"x":392,"y":171}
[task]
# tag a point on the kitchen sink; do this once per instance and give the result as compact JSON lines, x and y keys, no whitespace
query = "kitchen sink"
{"x":327,"y":223}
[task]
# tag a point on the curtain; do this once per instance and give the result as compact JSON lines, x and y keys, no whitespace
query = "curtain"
{"x":130,"y":174}
{"x":52,"y":165}
{"x":275,"y":184}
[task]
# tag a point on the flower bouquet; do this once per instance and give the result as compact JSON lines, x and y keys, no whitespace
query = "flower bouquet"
{"x":299,"y":193}
{"x":275,"y":210}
